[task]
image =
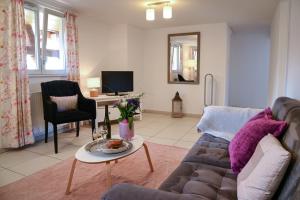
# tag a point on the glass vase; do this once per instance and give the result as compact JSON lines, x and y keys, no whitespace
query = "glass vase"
{"x":125,"y":132}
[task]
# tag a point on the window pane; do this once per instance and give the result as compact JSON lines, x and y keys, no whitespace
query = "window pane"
{"x":54,"y":45}
{"x":175,"y":59}
{"x":30,"y":23}
{"x":41,"y":21}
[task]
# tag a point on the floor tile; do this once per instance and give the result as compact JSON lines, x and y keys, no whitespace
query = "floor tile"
{"x":65,"y":153}
{"x":7,"y":176}
{"x":174,"y":132}
{"x":184,"y":144}
{"x":78,"y":141}
{"x":146,"y":138}
{"x":31,"y":166}
{"x":162,"y":141}
{"x":3,"y":150}
{"x":146,"y":132}
{"x":191,"y":136}
{"x":14,"y":157}
{"x":46,"y":148}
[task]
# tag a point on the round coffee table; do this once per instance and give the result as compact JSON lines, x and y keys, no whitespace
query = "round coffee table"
{"x":98,"y":157}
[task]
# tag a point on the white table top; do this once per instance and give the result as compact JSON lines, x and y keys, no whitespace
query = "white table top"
{"x":104,"y":98}
{"x":99,"y":157}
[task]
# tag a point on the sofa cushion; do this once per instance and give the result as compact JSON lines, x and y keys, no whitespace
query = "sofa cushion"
{"x":202,"y":180}
{"x":261,"y":176}
{"x":209,"y":150}
{"x":244,"y":143}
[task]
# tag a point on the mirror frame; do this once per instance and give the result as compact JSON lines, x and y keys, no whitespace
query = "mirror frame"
{"x":196,"y":82}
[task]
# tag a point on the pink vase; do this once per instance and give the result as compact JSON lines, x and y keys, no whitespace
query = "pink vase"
{"x":125,"y":132}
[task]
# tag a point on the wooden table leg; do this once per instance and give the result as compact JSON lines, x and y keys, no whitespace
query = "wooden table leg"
{"x":148,"y":157}
{"x":71,"y":176}
{"x":108,"y":170}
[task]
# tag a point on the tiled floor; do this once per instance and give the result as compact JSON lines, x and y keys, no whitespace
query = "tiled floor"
{"x":157,"y":128}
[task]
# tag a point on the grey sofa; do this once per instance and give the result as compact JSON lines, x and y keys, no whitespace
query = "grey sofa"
{"x":205,"y":174}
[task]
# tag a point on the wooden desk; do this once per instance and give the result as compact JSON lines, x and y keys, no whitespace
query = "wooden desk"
{"x":104,"y":101}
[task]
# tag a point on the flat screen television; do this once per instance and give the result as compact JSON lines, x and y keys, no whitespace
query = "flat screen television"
{"x":117,"y":81}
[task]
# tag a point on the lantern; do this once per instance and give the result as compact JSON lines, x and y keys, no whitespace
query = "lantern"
{"x":177,"y":106}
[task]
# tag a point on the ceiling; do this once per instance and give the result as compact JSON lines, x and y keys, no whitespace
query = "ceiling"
{"x":185,"y":12}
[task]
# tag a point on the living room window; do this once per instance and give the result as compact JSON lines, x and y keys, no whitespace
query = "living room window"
{"x":45,"y":41}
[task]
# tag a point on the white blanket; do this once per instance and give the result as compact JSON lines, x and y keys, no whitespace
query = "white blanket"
{"x":224,"y":122}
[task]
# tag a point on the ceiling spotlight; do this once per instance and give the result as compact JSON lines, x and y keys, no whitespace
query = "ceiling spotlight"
{"x":150,"y":14}
{"x":167,"y":12}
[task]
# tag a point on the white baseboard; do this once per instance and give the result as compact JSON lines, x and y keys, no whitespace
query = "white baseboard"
{"x":169,"y":113}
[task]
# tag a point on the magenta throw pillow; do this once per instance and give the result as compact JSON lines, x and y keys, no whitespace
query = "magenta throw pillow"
{"x":243,"y":145}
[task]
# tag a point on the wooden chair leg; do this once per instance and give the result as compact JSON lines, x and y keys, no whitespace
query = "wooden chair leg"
{"x":55,"y":137}
{"x":77,"y":129}
{"x":46,"y":131}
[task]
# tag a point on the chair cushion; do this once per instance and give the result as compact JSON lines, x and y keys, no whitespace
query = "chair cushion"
{"x":202,"y":181}
{"x":261,"y":176}
{"x":65,"y":103}
{"x":209,"y":150}
{"x":243,"y":145}
{"x":72,"y":116}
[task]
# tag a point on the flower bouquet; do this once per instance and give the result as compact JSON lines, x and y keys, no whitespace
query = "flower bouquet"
{"x":128,"y":108}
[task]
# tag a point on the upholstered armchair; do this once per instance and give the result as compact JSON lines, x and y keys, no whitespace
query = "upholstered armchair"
{"x":85,"y":109}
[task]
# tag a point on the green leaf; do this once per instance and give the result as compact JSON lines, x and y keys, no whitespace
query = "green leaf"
{"x":130,"y":121}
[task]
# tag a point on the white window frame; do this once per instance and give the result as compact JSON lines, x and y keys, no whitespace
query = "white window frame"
{"x":41,"y":52}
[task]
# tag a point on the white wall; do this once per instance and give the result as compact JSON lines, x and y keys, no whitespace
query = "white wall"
{"x":293,"y":72}
{"x":279,"y":51}
{"x":117,"y":51}
{"x":249,"y":67}
{"x":93,"y":45}
{"x":135,"y":39}
{"x":285,"y":56}
{"x":213,"y":59}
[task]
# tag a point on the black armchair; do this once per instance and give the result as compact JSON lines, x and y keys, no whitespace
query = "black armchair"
{"x":86,"y":108}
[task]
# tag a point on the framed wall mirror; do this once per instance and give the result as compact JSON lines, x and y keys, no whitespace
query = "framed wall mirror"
{"x":184,"y":58}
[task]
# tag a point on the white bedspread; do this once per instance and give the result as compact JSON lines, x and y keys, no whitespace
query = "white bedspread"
{"x":224,"y":122}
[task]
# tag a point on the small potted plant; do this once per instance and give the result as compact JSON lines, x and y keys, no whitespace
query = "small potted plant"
{"x":128,"y":108}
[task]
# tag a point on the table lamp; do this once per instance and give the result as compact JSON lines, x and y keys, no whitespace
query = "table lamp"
{"x":93,"y":84}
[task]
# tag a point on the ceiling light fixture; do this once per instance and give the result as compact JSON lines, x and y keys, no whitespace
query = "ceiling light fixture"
{"x":150,"y":11}
{"x":150,"y":14}
{"x":167,"y":12}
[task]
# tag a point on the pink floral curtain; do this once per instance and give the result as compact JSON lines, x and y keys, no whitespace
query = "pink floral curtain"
{"x":72,"y":47}
{"x":15,"y":118}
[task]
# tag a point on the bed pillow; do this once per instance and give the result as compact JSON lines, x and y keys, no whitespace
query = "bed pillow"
{"x":65,"y":103}
{"x":260,"y":178}
{"x":243,"y":145}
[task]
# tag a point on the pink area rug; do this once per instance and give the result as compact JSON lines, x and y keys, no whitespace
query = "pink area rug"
{"x":89,"y":181}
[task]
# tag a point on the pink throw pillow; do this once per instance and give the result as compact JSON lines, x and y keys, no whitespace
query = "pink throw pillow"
{"x":243,"y":145}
